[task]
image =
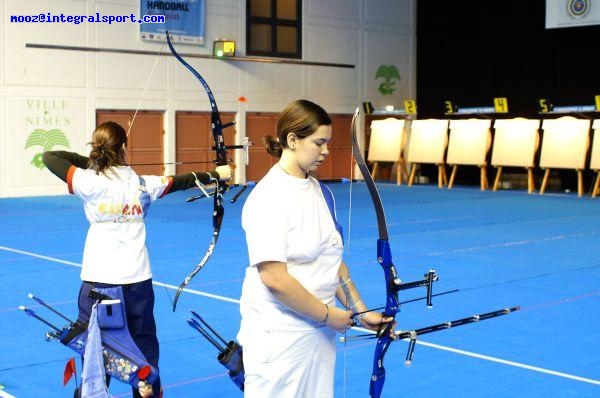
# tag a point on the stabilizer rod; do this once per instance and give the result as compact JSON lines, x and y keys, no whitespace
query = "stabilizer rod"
{"x":412,"y":334}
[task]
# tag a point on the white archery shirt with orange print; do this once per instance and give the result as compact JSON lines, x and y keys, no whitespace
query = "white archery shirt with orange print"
{"x":115,"y":204}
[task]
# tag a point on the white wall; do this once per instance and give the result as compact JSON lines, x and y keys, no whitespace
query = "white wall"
{"x":58,"y":89}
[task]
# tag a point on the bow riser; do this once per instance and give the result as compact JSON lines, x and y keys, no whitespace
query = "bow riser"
{"x":378,"y":376}
{"x":220,"y":148}
{"x":392,"y":283}
{"x":217,"y":129}
{"x":384,"y":257}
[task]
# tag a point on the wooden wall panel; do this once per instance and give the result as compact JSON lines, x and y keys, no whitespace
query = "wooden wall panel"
{"x":259,"y":125}
{"x":337,"y":165}
{"x":145,"y":140}
{"x":194,"y":140}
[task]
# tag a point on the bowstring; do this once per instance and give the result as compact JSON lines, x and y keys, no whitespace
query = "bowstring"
{"x":348,"y":250}
{"x":155,"y":268}
{"x":137,"y":109}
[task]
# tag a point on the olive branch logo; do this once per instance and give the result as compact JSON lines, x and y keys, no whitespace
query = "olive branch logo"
{"x":47,"y":140}
{"x":389,"y":73}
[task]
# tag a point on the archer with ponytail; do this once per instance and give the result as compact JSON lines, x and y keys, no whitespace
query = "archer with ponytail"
{"x":109,"y":145}
{"x":116,"y":201}
{"x":295,"y":246}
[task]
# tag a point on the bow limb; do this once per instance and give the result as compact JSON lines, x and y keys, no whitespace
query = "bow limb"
{"x":384,"y":258}
{"x":216,"y":124}
{"x":220,"y":160}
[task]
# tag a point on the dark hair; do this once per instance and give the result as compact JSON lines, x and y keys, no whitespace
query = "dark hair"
{"x":108,"y":141}
{"x":301,"y":117}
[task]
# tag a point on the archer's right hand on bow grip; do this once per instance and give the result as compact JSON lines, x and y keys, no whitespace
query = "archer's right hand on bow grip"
{"x":224,"y":172}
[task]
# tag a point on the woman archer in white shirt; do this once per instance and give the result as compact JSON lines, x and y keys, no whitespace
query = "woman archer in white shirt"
{"x":289,"y":317}
{"x":116,"y":200}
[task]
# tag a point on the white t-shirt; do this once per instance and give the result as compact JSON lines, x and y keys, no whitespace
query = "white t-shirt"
{"x":115,"y":204}
{"x":286,"y":219}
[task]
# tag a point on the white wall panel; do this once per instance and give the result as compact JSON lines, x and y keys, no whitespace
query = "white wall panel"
{"x":40,"y":113}
{"x":395,"y":12}
{"x":327,"y":43}
{"x":126,"y":71}
{"x":333,"y":9}
{"x":388,"y":48}
{"x":263,"y":81}
{"x":39,"y":67}
{"x":122,"y":34}
{"x":227,"y":22}
{"x":335,"y":86}
{"x":220,"y":75}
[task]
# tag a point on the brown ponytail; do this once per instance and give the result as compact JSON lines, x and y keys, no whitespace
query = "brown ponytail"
{"x":108,"y":143}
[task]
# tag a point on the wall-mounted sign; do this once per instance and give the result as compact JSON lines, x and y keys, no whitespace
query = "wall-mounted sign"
{"x":184,"y":21}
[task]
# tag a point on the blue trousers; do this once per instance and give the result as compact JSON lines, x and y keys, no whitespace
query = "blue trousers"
{"x":139,"y":310}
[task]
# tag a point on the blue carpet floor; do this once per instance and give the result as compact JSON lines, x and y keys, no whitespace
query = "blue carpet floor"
{"x":500,"y":249}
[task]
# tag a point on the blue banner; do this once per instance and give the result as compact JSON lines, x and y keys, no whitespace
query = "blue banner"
{"x":184,"y":19}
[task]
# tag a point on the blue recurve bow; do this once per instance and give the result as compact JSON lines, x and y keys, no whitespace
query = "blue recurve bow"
{"x":220,"y":160}
{"x":393,"y":285}
{"x":384,"y":258}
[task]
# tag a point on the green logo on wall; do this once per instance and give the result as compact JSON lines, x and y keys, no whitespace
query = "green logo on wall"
{"x":390,"y":74}
{"x":47,"y":140}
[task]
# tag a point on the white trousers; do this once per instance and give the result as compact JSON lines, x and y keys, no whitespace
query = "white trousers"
{"x":290,"y":364}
